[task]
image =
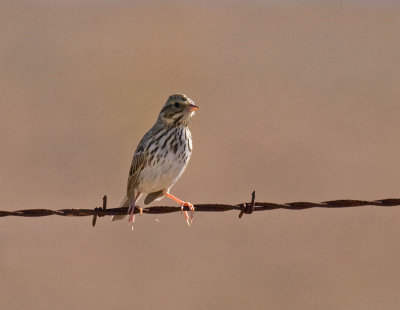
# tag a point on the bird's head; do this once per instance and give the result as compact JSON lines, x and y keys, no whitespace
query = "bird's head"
{"x":178,"y":110}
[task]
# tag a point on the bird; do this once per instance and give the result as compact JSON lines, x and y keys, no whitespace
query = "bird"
{"x":161,"y":158}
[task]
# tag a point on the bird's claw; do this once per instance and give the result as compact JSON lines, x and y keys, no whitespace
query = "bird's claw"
{"x":191,"y":207}
{"x":131,"y":213}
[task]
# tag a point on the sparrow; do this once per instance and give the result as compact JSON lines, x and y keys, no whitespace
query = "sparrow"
{"x":161,"y":157}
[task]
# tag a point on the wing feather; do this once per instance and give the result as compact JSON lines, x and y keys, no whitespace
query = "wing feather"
{"x":137,"y":165}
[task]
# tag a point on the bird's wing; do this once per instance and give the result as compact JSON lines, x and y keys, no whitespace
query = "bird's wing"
{"x":138,"y":162}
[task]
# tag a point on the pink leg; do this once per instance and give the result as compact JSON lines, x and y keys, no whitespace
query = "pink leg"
{"x":183,"y":204}
{"x":131,"y":209}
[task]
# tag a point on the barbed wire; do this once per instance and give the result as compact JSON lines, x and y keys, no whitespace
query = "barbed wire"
{"x":244,"y":208}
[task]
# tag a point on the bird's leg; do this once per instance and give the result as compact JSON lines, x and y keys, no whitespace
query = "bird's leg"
{"x":183,"y":204}
{"x":131,"y":209}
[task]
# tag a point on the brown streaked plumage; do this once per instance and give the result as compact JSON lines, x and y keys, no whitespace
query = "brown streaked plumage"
{"x":161,"y":156}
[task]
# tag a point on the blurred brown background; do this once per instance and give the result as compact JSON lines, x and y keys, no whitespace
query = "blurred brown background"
{"x":298,"y":100}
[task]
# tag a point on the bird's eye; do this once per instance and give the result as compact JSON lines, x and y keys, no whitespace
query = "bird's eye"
{"x":176,"y":104}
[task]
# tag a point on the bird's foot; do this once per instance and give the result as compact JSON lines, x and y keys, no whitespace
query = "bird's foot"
{"x":183,"y":205}
{"x":131,"y":212}
{"x":191,"y":207}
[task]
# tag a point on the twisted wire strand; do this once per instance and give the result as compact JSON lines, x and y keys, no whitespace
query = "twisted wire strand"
{"x":244,"y":208}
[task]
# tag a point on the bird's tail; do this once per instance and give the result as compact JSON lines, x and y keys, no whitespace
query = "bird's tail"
{"x":123,"y":204}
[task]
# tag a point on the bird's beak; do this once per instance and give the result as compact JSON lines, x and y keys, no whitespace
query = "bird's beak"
{"x":192,"y":107}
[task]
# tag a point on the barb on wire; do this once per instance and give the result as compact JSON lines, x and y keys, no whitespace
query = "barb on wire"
{"x":244,"y":208}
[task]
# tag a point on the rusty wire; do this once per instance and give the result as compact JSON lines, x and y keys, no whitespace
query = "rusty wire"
{"x":244,"y":208}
